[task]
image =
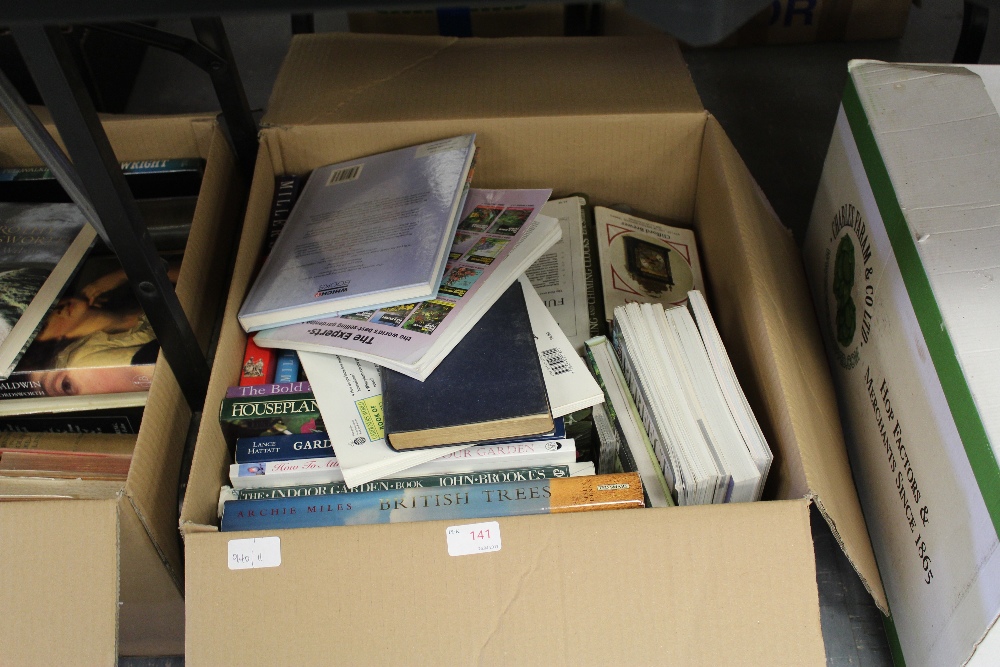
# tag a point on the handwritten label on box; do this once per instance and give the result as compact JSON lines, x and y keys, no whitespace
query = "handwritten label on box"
{"x":473,"y":538}
{"x":254,"y":552}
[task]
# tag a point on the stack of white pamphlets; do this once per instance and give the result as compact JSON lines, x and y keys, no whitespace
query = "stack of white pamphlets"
{"x":672,"y":379}
{"x":736,"y":400}
{"x":500,"y":236}
{"x":366,"y":233}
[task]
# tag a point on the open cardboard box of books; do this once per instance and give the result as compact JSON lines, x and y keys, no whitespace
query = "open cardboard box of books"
{"x":85,"y":580}
{"x":620,"y":120}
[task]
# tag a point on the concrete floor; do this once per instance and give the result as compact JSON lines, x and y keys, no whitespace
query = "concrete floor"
{"x":778,"y":105}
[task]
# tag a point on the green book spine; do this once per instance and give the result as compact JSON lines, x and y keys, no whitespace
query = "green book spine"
{"x":451,"y":479}
{"x":258,"y":416}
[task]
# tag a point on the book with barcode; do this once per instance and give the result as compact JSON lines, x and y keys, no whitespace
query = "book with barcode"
{"x":366,"y":233}
{"x":490,"y":387}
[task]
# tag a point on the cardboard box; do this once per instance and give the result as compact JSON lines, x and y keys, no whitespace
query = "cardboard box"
{"x":541,"y":20}
{"x":795,"y":21}
{"x":618,"y":119}
{"x":86,"y":580}
{"x":910,"y":190}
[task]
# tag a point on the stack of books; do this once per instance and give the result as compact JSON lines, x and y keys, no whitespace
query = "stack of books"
{"x":433,"y":335}
{"x":76,"y":351}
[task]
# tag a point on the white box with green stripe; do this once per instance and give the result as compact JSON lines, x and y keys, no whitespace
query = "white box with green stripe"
{"x":903,"y":257}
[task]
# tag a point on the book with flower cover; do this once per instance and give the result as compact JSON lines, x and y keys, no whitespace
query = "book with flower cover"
{"x":473,"y":501}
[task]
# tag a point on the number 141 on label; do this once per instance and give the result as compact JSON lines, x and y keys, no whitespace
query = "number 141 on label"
{"x":474,"y":538}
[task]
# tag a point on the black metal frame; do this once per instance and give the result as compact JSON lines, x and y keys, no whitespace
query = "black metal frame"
{"x":52,"y":66}
{"x":94,"y":179}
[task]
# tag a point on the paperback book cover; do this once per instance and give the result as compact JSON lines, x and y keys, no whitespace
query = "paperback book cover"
{"x":414,"y":337}
{"x":644,"y":261}
{"x":364,"y":233}
{"x":560,"y":277}
{"x":41,"y":246}
{"x":325,"y":469}
{"x":548,"y":496}
{"x":269,"y":415}
{"x":94,"y":340}
{"x":172,"y":177}
{"x":489,"y":387}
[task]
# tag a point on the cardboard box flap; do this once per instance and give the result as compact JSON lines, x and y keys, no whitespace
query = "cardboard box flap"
{"x":59,"y":582}
{"x":344,"y":78}
{"x":797,"y":406}
{"x":153,"y":477}
{"x":654,"y":601}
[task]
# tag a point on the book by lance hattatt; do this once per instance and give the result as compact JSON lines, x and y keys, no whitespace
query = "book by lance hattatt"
{"x":548,"y":496}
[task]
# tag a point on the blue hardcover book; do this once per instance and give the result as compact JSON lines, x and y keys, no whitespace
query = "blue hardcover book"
{"x":283,"y":447}
{"x":465,"y":501}
{"x":286,"y":369}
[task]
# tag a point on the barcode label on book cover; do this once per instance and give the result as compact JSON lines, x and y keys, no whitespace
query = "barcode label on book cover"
{"x":473,"y":538}
{"x":556,"y":361}
{"x":344,"y":174}
{"x":254,"y":552}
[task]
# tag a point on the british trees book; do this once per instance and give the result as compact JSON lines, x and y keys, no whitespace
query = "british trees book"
{"x":474,"y":501}
{"x":365,"y":233}
{"x":41,"y":246}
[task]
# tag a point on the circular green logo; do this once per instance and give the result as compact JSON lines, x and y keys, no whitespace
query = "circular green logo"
{"x":843,"y":283}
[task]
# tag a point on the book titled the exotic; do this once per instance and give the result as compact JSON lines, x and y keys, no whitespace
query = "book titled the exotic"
{"x":365,"y":233}
{"x":269,"y":415}
{"x":41,"y":246}
{"x":644,"y":261}
{"x":473,"y":501}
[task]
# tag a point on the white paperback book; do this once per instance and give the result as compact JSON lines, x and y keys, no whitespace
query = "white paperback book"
{"x":500,"y":236}
{"x":735,"y":398}
{"x":559,"y":276}
{"x":720,"y":428}
{"x":327,"y":469}
{"x":364,"y":233}
{"x":569,"y":384}
{"x":635,"y":449}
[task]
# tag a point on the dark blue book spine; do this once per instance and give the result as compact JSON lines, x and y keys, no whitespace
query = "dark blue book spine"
{"x":283,"y":447}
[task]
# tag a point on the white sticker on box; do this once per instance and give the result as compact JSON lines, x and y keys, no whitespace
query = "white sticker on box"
{"x":473,"y":538}
{"x":254,"y":552}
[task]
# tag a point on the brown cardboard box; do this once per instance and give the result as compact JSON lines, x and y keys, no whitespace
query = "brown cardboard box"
{"x":618,"y":119}
{"x":544,"y":20}
{"x":83,"y":581}
{"x":795,"y":21}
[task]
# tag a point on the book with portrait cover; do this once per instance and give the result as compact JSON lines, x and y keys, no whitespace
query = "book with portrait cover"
{"x":365,"y":233}
{"x":41,"y":246}
{"x":467,"y":501}
{"x":644,"y":261}
{"x":94,"y":340}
